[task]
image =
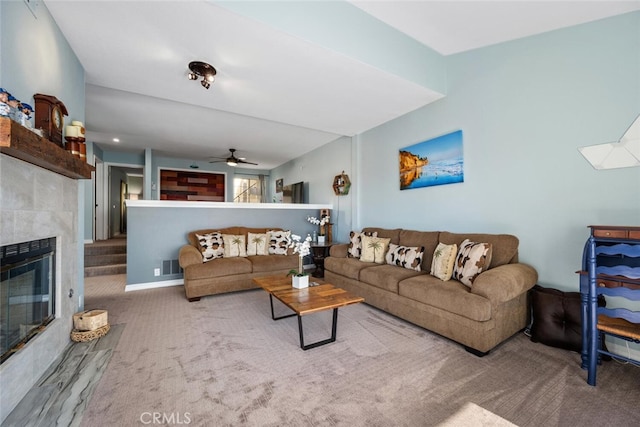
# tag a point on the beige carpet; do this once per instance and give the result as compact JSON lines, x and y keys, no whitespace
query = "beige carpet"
{"x":222,"y":361}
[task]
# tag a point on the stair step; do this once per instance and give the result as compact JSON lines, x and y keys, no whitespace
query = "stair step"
{"x":96,"y":260}
{"x":105,"y":270}
{"x":90,"y":250}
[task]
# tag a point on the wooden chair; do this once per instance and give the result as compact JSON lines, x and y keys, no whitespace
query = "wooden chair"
{"x":613,"y":270}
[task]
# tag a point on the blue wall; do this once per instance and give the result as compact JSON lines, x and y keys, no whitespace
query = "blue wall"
{"x":317,"y":169}
{"x":524,"y":107}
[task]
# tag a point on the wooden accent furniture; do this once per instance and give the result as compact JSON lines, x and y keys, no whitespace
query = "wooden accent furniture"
{"x":192,"y":186}
{"x":21,"y":143}
{"x":307,"y":301}
{"x":320,"y":251}
{"x":611,"y":267}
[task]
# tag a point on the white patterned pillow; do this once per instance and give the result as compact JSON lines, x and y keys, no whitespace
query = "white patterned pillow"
{"x":355,"y":243}
{"x":444,"y":259}
{"x":211,"y":246}
{"x":279,"y":242}
{"x":257,"y":244}
{"x":374,"y":249}
{"x":472,"y":259}
{"x":234,"y":245}
{"x":409,"y":257}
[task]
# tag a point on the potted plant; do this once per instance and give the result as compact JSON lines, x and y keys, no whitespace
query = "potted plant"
{"x":300,"y":279}
{"x":321,"y":222}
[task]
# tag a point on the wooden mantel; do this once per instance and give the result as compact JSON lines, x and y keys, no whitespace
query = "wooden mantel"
{"x":19,"y":142}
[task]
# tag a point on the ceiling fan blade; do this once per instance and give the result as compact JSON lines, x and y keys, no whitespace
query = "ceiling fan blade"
{"x":247,"y":163}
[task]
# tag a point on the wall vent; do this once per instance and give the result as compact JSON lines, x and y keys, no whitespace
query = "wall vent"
{"x":171,"y":267}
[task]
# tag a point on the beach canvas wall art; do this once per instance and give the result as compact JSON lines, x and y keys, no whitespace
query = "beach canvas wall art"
{"x":437,"y":161}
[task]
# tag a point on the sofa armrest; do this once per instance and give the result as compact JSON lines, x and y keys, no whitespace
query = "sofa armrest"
{"x":505,"y":282}
{"x":339,"y":251}
{"x":189,"y":255}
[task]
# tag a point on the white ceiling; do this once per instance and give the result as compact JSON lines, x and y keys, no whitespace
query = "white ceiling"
{"x":276,"y":95}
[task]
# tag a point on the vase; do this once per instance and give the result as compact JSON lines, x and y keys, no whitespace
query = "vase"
{"x":321,"y":240}
{"x":300,"y":282}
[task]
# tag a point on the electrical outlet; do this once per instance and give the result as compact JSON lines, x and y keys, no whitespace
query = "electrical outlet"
{"x":156,"y":271}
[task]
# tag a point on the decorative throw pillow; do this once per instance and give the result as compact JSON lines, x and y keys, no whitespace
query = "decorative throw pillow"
{"x":211,"y":246}
{"x":374,"y":249}
{"x":355,"y":243}
{"x":472,"y":259}
{"x":257,"y":244}
{"x":234,"y":245}
{"x":444,"y":259}
{"x":409,"y":257}
{"x":279,"y":242}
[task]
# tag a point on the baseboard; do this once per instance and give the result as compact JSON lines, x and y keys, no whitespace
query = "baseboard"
{"x":153,"y":285}
{"x":88,"y":241}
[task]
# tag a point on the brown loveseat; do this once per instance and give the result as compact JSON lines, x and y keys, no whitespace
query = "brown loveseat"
{"x":227,"y":274}
{"x":493,"y":309}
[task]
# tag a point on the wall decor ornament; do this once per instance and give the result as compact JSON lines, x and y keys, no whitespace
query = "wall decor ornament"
{"x":436,"y":161}
{"x":341,"y":184}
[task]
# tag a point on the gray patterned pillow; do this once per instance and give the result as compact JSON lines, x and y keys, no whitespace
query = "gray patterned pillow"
{"x":355,"y":243}
{"x":473,"y":258}
{"x":279,"y":242}
{"x":211,"y":245}
{"x":409,"y":257}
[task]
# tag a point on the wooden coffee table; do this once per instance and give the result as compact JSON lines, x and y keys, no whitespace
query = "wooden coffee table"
{"x":307,"y":301}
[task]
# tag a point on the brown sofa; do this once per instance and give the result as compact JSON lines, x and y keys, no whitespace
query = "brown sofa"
{"x":228,"y":274}
{"x":480,"y":317}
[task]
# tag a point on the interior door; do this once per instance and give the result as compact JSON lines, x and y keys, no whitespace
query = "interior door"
{"x":99,"y":211}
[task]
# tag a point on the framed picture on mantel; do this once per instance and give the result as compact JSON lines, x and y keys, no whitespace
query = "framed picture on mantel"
{"x":436,"y":161}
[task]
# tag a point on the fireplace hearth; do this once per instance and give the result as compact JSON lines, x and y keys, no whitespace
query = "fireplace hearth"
{"x":27,"y":292}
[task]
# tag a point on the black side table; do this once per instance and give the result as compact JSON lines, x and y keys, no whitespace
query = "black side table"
{"x":319,"y":251}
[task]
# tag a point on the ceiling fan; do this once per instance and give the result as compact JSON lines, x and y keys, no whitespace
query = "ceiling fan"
{"x":232,"y":160}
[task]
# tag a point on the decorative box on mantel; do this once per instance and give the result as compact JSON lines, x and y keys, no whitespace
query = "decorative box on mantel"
{"x":19,"y":142}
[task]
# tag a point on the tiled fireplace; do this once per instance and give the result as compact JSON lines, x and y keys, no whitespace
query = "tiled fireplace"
{"x":27,"y":292}
{"x":37,"y":204}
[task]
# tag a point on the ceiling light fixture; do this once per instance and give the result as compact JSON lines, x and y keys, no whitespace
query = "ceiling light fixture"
{"x":204,"y":70}
{"x":231,"y":163}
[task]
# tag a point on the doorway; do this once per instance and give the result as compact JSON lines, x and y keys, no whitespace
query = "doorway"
{"x":120,"y":182}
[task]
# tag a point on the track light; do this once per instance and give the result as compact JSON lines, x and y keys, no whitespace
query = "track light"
{"x":204,"y":70}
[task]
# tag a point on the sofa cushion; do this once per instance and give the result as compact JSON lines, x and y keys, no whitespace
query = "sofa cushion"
{"x":347,"y":267}
{"x":444,"y":258}
{"x":386,"y":276}
{"x":473,"y":258}
{"x":273,"y":262}
{"x":428,"y":239}
{"x":257,"y":244}
{"x":279,"y":242}
{"x":234,"y":245}
{"x":355,"y":243}
{"x":405,"y":256}
{"x":450,"y":296}
{"x":374,"y":249}
{"x":218,"y":268}
{"x":211,"y":246}
{"x":504,"y":246}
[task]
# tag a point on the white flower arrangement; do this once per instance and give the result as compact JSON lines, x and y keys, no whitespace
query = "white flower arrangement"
{"x":302,"y":248}
{"x":324,"y":220}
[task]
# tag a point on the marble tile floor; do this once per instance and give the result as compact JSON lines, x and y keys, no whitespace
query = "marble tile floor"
{"x":61,"y":395}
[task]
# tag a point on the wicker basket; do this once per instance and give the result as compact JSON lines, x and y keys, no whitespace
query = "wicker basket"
{"x":86,"y":336}
{"x":90,"y":320}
